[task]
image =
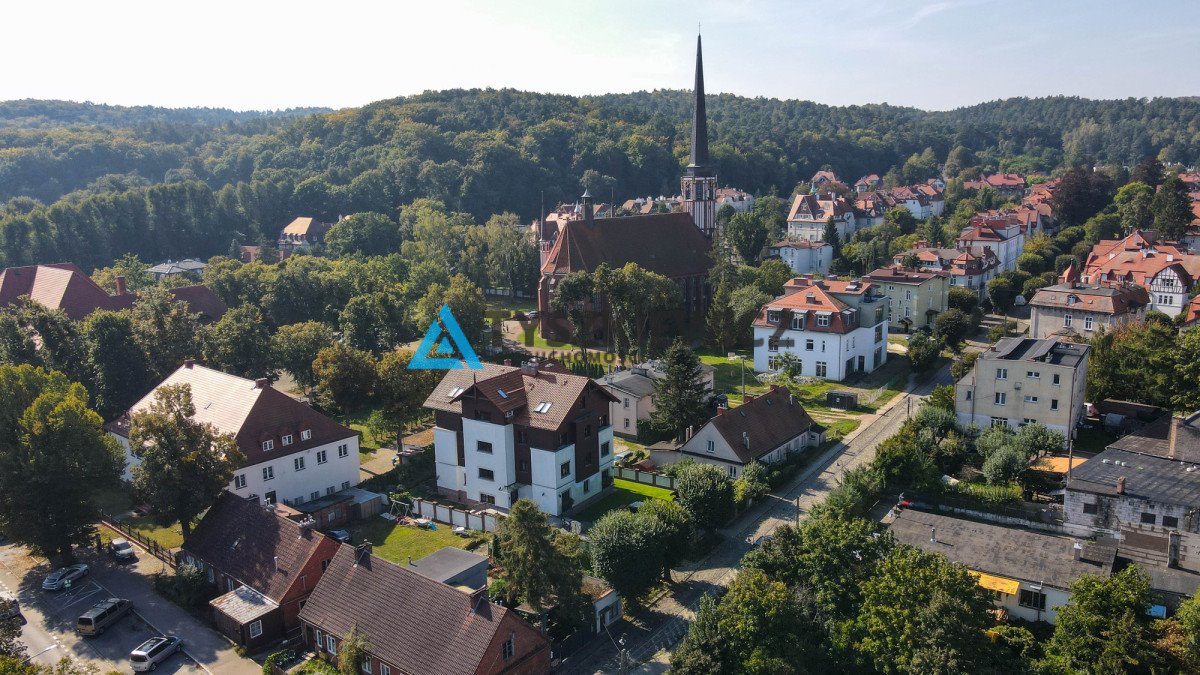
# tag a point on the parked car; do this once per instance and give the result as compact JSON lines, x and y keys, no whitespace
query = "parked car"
{"x":340,"y":535}
{"x":154,"y":651}
{"x":61,"y":577}
{"x":10,"y":607}
{"x":121,"y":549}
{"x":102,"y":615}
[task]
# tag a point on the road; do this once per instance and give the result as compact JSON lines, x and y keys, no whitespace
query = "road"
{"x":666,"y":621}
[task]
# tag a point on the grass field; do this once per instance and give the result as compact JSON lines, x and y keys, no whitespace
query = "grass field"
{"x":395,"y":542}
{"x":117,"y":502}
{"x":623,"y":494}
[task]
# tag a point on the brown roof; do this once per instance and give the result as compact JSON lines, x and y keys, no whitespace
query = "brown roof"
{"x":805,"y":295}
{"x":1103,"y":299}
{"x":305,"y":227}
{"x":200,"y":300}
{"x":64,"y":286}
{"x":522,"y":393}
{"x":255,"y":545}
{"x":415,"y":624}
{"x":896,"y":275}
{"x":253,"y":414}
{"x":770,"y":420}
{"x":667,"y":243}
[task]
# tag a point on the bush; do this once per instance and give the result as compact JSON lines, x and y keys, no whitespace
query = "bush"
{"x":952,"y":325}
{"x":1004,"y":465}
{"x":187,"y":587}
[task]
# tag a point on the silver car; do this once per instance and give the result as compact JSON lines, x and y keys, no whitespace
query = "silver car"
{"x":121,"y":549}
{"x":64,"y":576}
{"x":154,"y":651}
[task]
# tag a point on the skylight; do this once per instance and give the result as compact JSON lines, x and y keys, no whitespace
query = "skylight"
{"x":502,"y":394}
{"x":455,"y":392}
{"x":543,"y":407}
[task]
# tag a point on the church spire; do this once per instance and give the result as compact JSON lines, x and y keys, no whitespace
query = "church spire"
{"x":699,"y":118}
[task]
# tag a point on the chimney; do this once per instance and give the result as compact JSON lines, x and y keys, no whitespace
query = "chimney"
{"x":121,"y":290}
{"x":1121,"y":485}
{"x":189,"y":363}
{"x":508,"y":362}
{"x":749,"y":397}
{"x":1173,"y":540}
{"x":261,"y":383}
{"x":530,"y":368}
{"x":746,"y":439}
{"x":477,"y":598}
{"x":720,"y":410}
{"x":1078,"y":548}
{"x":589,"y":216}
{"x":276,"y":559}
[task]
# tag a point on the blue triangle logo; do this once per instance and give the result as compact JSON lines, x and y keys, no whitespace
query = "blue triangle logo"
{"x":444,"y":337}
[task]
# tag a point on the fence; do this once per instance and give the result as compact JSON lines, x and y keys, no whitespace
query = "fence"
{"x":442,"y":513}
{"x":1048,"y":517}
{"x":646,"y":478}
{"x":156,"y":549}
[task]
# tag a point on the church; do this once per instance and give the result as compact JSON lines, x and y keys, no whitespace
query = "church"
{"x":675,"y":245}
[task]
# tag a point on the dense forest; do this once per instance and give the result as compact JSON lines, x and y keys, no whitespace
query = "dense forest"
{"x":89,"y":183}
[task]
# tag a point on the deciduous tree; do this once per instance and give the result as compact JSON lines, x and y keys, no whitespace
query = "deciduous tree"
{"x":707,"y":494}
{"x":239,"y":344}
{"x":345,"y":377}
{"x":294,"y":347}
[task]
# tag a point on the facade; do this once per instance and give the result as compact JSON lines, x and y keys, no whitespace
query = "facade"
{"x":302,"y":233}
{"x":803,"y":256}
{"x":1076,"y":310}
{"x":64,"y":286}
{"x":868,"y":183}
{"x":294,"y":454}
{"x":547,"y":228}
{"x":970,"y":269}
{"x":505,"y":433}
{"x":1022,"y":380}
{"x":740,"y":200}
{"x":413,"y":624}
{"x":809,"y":213}
{"x":699,"y":182}
{"x":1166,"y":271}
{"x":263,"y":564}
{"x":766,"y":429}
{"x":835,"y":327}
{"x":1005,"y":239}
{"x":914,"y":298}
{"x":634,"y":390}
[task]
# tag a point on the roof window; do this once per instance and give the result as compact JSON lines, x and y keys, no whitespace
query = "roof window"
{"x":455,"y":392}
{"x":543,"y":407}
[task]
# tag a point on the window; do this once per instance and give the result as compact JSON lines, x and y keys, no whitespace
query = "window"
{"x":324,"y":566}
{"x":330,"y":644}
{"x":317,"y":637}
{"x":565,"y":469}
{"x":587,"y":486}
{"x":1033,"y":374}
{"x":306,"y":434}
{"x":968,"y":394}
{"x":1033,"y":599}
{"x":287,"y":439}
{"x":1149,"y":518}
{"x":908,"y":294}
{"x":487,"y":499}
{"x":329,"y":490}
{"x":1056,"y":380}
{"x":268,"y":473}
{"x":508,"y":649}
{"x":772,"y":363}
{"x":1087,"y":323}
{"x":322,"y":456}
{"x":907,"y":312}
{"x":343,"y":450}
{"x":822,"y":369}
{"x":1031,"y":399}
{"x":255,"y":629}
{"x":712,"y":447}
{"x":1089,"y":509}
{"x":314,"y":495}
{"x":345,"y":485}
{"x":772,"y":344}
{"x":268,"y":446}
{"x":1170,"y":521}
{"x":1054,"y":404}
{"x":487,"y":474}
{"x":484,"y":447}
{"x":626,"y":422}
{"x":366,"y":665}
{"x":605,"y":449}
{"x":808,"y":345}
{"x":823,"y":320}
{"x":733,"y":472}
{"x":298,"y":463}
{"x":587,"y":431}
{"x":239,"y":481}
{"x":772,"y":316}
{"x":385,"y":669}
{"x":1067,"y":319}
{"x":999,"y":422}
{"x":1001,"y":398}
{"x":1002,"y":373}
{"x":822,"y":345}
{"x":626,"y":403}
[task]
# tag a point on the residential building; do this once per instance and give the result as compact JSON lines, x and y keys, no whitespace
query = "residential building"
{"x":454,"y":567}
{"x":699,"y":182}
{"x":189,"y":268}
{"x":413,"y":624}
{"x":868,"y":183}
{"x":1022,"y":380}
{"x":302,"y":233}
{"x":809,"y":213}
{"x":914,"y":298}
{"x":505,"y":433}
{"x":1007,"y":184}
{"x":293,"y":454}
{"x":835,"y":327}
{"x":922,"y":201}
{"x":871,"y":207}
{"x":634,"y":390}
{"x":1167,"y":272}
{"x":1028,"y":574}
{"x":740,"y":200}
{"x":803,"y":256}
{"x":766,"y":429}
{"x":1076,"y":310}
{"x":64,"y":286}
{"x":822,"y":178}
{"x":264,"y":564}
{"x":1004,"y":238}
{"x":971,"y":268}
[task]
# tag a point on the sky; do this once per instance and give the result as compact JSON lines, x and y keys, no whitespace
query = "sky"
{"x":275,"y":54}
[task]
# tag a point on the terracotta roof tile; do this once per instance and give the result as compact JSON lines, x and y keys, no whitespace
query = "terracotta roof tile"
{"x":666,"y":243}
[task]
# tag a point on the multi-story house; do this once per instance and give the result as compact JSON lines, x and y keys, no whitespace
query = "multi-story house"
{"x":301,"y":234}
{"x":634,"y":387}
{"x":834,"y":327}
{"x":504,"y":433}
{"x":971,"y":269}
{"x":868,"y":183}
{"x":914,"y":298}
{"x":871,"y":207}
{"x":822,"y":178}
{"x":1167,"y":271}
{"x":1077,"y":310}
{"x":803,"y":256}
{"x":1022,"y":380}
{"x":809,"y":213}
{"x":293,"y":454}
{"x":1007,"y":184}
{"x":1003,"y":236}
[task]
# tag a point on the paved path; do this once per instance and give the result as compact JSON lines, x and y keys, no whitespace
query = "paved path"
{"x":665,"y":623}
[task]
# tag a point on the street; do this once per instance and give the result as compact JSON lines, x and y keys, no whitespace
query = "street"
{"x":668,"y":618}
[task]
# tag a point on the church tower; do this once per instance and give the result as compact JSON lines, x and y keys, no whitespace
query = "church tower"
{"x":699,"y":179}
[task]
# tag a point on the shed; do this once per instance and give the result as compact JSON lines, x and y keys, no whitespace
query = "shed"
{"x":844,"y":400}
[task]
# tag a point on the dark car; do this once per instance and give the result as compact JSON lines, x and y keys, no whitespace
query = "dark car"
{"x":104,"y":614}
{"x":340,"y":535}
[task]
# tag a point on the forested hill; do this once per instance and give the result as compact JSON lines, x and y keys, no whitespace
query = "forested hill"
{"x":188,"y":183}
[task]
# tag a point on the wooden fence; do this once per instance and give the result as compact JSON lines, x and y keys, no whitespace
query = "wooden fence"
{"x":156,"y":549}
{"x":646,"y":478}
{"x":453,"y":516}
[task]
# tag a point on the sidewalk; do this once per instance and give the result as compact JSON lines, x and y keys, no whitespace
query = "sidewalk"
{"x":134,"y":581}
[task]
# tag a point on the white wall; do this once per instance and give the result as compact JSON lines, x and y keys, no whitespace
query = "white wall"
{"x":546,"y":475}
{"x":501,"y":461}
{"x":445,"y":451}
{"x":831,"y":348}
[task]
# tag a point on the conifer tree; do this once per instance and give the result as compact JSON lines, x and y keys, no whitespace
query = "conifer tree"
{"x":680,"y":396}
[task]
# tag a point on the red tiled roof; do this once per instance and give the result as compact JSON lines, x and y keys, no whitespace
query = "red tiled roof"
{"x":200,"y":300}
{"x":667,"y":243}
{"x":814,"y":207}
{"x":805,"y":295}
{"x":64,"y":286}
{"x":769,"y":421}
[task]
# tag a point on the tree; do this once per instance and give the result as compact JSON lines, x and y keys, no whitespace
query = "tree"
{"x":923,"y":351}
{"x":721,"y":329}
{"x":831,"y":237}
{"x":748,"y":233}
{"x":1080,"y":195}
{"x":573,"y":297}
{"x":51,"y":444}
{"x":752,"y":484}
{"x":1172,"y":208}
{"x":466,"y":301}
{"x":401,"y":390}
{"x":964,"y":300}
{"x":671,"y":528}
{"x":1031,"y":263}
{"x":771,"y":275}
{"x":345,"y":377}
{"x":1036,"y":439}
{"x":351,"y":651}
{"x":120,"y":369}
{"x":1004,"y":465}
{"x":540,"y":566}
{"x":239,"y":344}
{"x":165,"y":330}
{"x":294,"y":347}
{"x":952,"y":326}
{"x":1002,"y":292}
{"x":964,"y":364}
{"x":625,"y":552}
{"x":512,"y":256}
{"x":11,"y":646}
{"x":1149,"y":172}
{"x":636,"y":296}
{"x":919,"y":605}
{"x":706,"y":492}
{"x":365,"y":234}
{"x":135,"y":272}
{"x":680,"y":396}
{"x":747,"y":303}
{"x":1104,"y":626}
{"x":760,"y":619}
{"x":943,"y":398}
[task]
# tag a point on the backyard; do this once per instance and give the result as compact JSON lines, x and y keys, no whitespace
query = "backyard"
{"x":623,"y":494}
{"x":117,"y":503}
{"x":396,"y":542}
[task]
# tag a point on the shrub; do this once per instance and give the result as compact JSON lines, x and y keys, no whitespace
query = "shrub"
{"x":187,"y":587}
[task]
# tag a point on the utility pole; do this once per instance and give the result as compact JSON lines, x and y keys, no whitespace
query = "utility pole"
{"x":909,"y":399}
{"x":797,"y":512}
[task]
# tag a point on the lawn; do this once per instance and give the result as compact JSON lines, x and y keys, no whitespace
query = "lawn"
{"x":397,"y":543}
{"x":118,"y":503}
{"x":504,"y":303}
{"x":728,"y":376}
{"x":623,"y":494}
{"x":358,"y":422}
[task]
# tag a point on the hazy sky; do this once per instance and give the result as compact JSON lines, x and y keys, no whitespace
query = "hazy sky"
{"x":268,"y":54}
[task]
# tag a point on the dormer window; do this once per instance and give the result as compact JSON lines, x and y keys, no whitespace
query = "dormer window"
{"x":287,"y":439}
{"x":823,"y":320}
{"x":306,"y":434}
{"x":772,"y":316}
{"x":268,"y":445}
